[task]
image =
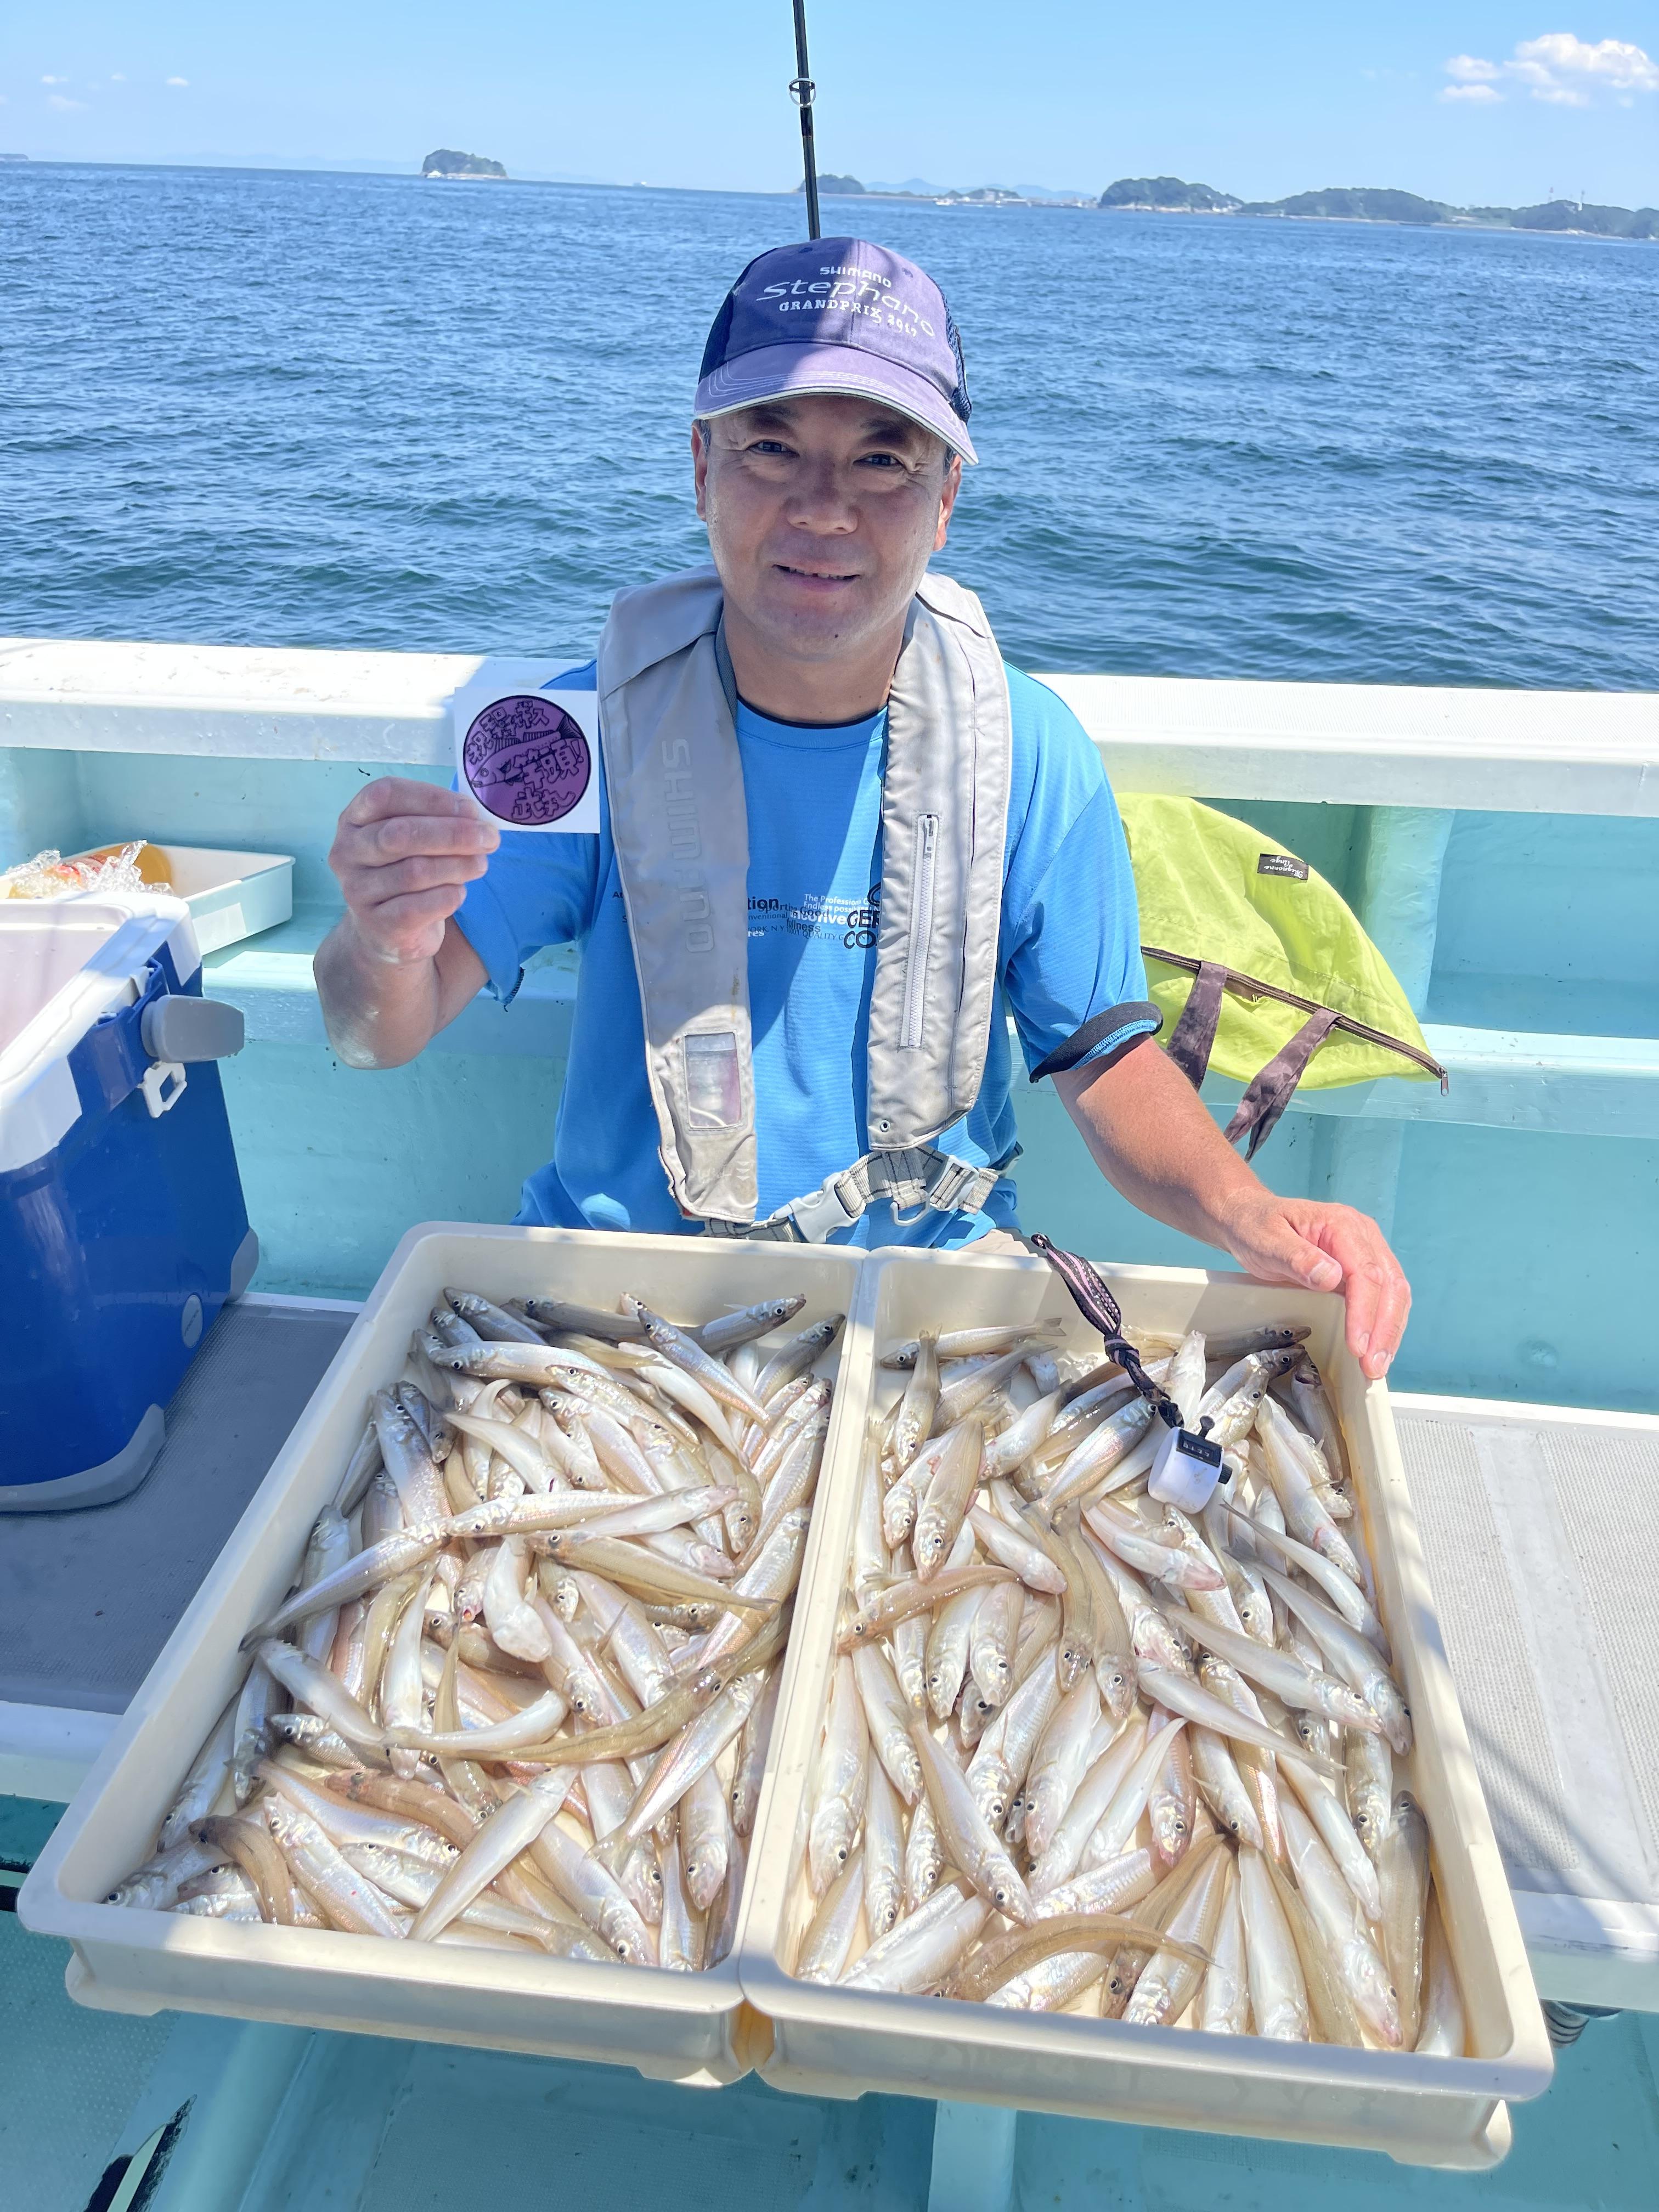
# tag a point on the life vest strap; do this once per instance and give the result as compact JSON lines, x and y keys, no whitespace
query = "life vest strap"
{"x":922,"y":1178}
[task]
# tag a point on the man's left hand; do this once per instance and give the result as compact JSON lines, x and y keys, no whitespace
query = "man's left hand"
{"x":1320,"y":1247}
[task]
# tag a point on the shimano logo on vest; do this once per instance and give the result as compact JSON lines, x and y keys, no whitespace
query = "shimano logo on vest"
{"x":686,"y":844}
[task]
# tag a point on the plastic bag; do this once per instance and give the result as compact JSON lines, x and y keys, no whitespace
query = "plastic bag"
{"x":116,"y":868}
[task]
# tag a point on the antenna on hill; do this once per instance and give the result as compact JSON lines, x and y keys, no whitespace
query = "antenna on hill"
{"x":801,"y":90}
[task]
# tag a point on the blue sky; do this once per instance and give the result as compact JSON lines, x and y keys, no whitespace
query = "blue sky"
{"x":1464,"y":99}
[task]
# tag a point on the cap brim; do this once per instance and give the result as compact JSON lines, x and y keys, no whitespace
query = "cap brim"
{"x":794,"y":371}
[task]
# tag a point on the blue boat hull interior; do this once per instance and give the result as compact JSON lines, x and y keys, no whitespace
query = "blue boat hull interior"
{"x":219,"y":2116}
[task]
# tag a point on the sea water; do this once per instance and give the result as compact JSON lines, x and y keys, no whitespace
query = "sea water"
{"x":263,"y":407}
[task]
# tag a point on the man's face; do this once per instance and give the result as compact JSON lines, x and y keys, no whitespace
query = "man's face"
{"x":822,"y":511}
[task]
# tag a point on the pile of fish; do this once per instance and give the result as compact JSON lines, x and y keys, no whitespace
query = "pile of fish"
{"x":522,"y":1692}
{"x":1083,"y":1752}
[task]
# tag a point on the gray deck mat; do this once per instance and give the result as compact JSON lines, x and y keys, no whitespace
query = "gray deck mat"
{"x":1543,"y":1584}
{"x":86,"y":1600}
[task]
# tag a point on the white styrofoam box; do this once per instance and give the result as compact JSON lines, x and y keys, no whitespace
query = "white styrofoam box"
{"x":689,"y":2027}
{"x":838,"y":2042}
{"x":230,"y":896}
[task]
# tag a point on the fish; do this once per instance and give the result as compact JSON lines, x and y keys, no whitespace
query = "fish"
{"x":913,"y":1596}
{"x":922,"y":1952}
{"x":493,"y":1323}
{"x":1279,"y":1993}
{"x":1299,"y":1478}
{"x":913,"y":1422}
{"x":205,"y":1783}
{"x":1032,"y":1732}
{"x":1171,"y":1978}
{"x":1017,"y":1953}
{"x":1444,"y":2033}
{"x":1359,"y":1967}
{"x":883,"y":1853}
{"x":1402,"y":1870}
{"x":1304,"y":1688}
{"x":942,"y":1507}
{"x":1151,"y":1554}
{"x":409,"y":1461}
{"x":827,"y":1943}
{"x":1091,"y":1801}
{"x":1059,"y":1762}
{"x":562,"y":1317}
{"x":727,"y":1331}
{"x":968,"y":1837}
{"x":1002,"y":1758}
{"x":972,"y":1343}
{"x":348,"y":1898}
{"x":887,"y":1718}
{"x":1225,"y":2001}
{"x":1358,"y":1661}
{"x":753,"y":1745}
{"x":836,"y":1799}
{"x":1370,"y":1788}
{"x":1172,"y":1801}
{"x":684,"y":1351}
{"x":796,"y":1356}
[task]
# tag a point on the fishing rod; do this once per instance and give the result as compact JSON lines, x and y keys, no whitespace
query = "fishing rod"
{"x":801,"y":90}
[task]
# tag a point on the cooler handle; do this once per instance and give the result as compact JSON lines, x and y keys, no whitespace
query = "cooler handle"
{"x":179,"y":1027}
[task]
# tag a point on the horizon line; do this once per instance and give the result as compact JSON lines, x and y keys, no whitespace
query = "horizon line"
{"x":372,"y":165}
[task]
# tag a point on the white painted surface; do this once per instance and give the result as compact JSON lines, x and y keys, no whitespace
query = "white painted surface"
{"x":47,"y":1750}
{"x":1365,"y":745}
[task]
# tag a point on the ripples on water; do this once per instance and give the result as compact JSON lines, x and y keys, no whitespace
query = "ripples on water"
{"x":344,"y":410}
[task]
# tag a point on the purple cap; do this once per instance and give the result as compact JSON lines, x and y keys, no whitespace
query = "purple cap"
{"x":838,"y":314}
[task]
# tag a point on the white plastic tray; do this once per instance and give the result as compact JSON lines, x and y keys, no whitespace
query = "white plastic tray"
{"x":688,"y":2027}
{"x":836,"y":2042}
{"x":230,"y":896}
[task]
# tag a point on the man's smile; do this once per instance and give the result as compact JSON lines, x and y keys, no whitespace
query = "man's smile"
{"x":816,"y":575}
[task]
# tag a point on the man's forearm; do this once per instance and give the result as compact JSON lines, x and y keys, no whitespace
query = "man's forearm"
{"x":1154,"y":1141}
{"x":378,"y":1013}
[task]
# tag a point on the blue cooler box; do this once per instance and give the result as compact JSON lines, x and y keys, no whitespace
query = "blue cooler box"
{"x":123,"y":1229}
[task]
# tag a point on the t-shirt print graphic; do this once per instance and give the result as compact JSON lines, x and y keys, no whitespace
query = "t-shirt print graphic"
{"x":855,"y":924}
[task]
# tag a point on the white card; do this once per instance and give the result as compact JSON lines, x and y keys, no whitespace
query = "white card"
{"x":527,"y":752}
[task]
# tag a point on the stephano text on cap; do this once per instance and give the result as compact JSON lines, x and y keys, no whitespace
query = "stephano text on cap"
{"x":839,"y":315}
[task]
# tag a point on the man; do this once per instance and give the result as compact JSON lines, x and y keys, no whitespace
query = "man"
{"x":841,"y":841}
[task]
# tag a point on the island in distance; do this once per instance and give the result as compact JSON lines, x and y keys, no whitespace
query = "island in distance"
{"x":449,"y":166}
{"x":1376,"y":204}
{"x":1337,"y":203}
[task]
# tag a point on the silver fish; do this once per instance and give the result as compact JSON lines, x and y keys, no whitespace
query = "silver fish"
{"x":1402,"y":1869}
{"x":727,"y":1331}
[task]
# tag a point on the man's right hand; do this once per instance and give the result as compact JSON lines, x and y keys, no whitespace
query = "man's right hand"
{"x":405,"y":853}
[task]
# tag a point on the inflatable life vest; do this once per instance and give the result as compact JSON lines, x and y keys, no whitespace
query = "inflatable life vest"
{"x":674,"y":779}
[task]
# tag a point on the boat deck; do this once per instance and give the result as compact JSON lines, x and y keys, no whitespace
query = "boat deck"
{"x":1554,"y":1690}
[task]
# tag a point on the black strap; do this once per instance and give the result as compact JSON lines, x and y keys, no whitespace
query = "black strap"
{"x":1101,"y":1310}
{"x":1270,"y":1090}
{"x":1193,"y":1037}
{"x":1082,"y":1043}
{"x":1252,"y":986}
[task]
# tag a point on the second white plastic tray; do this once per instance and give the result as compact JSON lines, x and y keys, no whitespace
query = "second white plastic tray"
{"x":838,"y":2042}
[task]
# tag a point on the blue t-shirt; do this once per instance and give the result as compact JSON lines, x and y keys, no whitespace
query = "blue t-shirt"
{"x":1070,"y":950}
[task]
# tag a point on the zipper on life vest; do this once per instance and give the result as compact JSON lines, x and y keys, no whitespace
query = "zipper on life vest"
{"x":921,"y":934}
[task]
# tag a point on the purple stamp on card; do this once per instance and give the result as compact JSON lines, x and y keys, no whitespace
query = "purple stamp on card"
{"x":525,"y":761}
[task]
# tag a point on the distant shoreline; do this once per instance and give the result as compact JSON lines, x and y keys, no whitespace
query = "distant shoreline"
{"x":1460,"y":221}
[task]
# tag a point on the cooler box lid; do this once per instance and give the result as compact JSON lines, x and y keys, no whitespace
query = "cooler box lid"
{"x":65,"y":964}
